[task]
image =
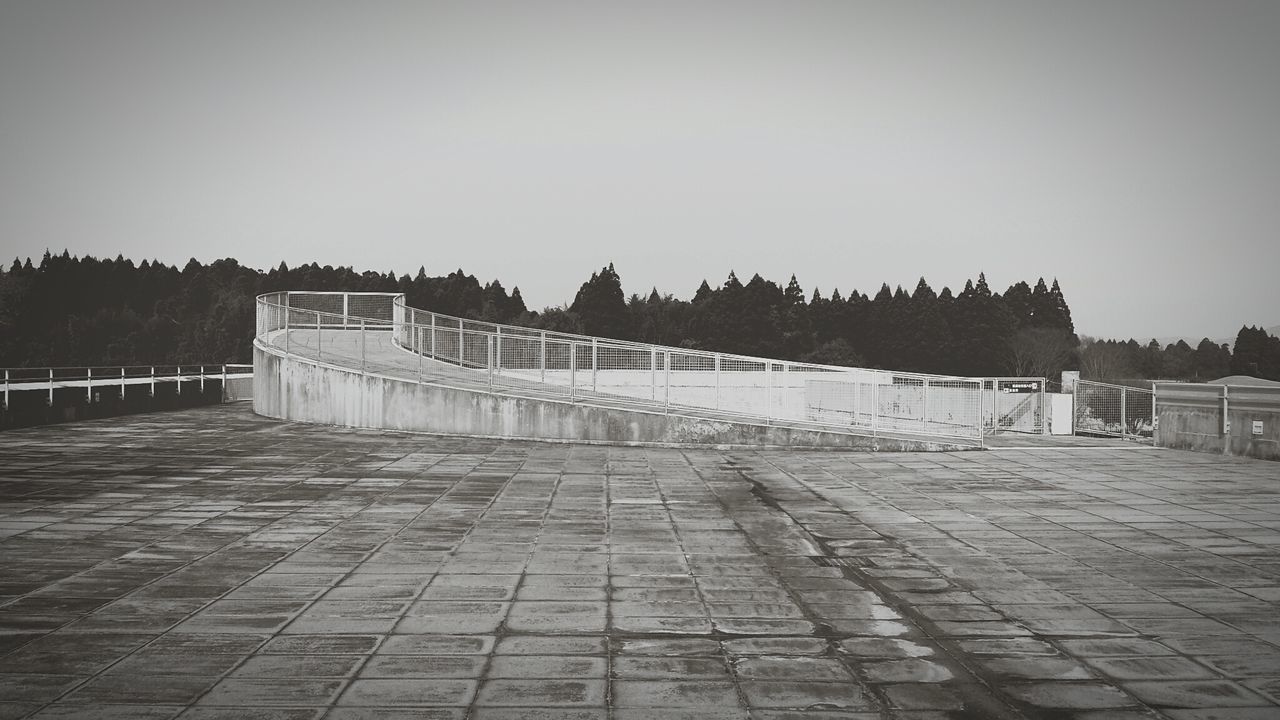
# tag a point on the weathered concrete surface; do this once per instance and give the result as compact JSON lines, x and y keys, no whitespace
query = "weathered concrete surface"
{"x":213,"y":563}
{"x":294,"y":388}
{"x":1191,"y":418}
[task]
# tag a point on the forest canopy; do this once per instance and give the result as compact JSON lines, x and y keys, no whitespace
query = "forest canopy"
{"x":70,"y":311}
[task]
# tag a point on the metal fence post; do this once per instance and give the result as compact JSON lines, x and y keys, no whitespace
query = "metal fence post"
{"x":666,"y":364}
{"x":417,"y":333}
{"x":319,"y":334}
{"x":153,"y":381}
{"x":122,"y":383}
{"x":542,"y":356}
{"x":497,"y":354}
{"x":717,"y":381}
{"x":346,"y":308}
{"x":362,"y":345}
{"x":875,"y":403}
{"x":6,"y":389}
{"x":924,"y":414}
{"x":226,"y":395}
{"x":461,"y":355}
{"x":201,"y":379}
{"x":51,"y":387}
{"x":489,"y":359}
{"x":573,"y":370}
{"x":768,"y":390}
{"x":1226,"y":421}
{"x":432,"y":339}
{"x":179,"y":379}
{"x":594,"y":363}
{"x":653,"y":373}
{"x":1124,"y":423}
{"x":88,"y":386}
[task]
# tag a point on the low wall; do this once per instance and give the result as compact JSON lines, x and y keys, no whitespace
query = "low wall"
{"x":293,"y":388}
{"x":1190,"y":417}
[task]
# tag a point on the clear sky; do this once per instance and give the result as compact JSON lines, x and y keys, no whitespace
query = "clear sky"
{"x":1129,"y":148}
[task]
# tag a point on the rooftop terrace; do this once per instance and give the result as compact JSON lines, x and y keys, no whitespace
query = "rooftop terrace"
{"x":212,"y":563}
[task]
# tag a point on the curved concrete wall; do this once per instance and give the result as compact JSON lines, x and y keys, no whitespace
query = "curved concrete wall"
{"x":292,"y":388}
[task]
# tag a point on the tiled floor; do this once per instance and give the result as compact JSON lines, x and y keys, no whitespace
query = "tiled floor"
{"x":213,"y":564}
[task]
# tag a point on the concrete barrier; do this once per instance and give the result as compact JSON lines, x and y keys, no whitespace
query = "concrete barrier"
{"x":1228,"y":419}
{"x":295,"y":388}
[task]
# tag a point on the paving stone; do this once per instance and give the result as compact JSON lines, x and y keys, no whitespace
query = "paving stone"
{"x":547,"y":666}
{"x":1069,"y":696}
{"x":913,"y":670}
{"x":542,"y":693}
{"x":408,"y":692}
{"x":1194,"y":694}
{"x":776,"y":646}
{"x":1149,"y":668}
{"x":436,"y":645}
{"x":1037,"y":668}
{"x":673,"y":693}
{"x":762,"y":694}
{"x":423,"y":666}
{"x":884,"y":648}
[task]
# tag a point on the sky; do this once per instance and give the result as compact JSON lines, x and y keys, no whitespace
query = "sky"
{"x":1130,"y":149}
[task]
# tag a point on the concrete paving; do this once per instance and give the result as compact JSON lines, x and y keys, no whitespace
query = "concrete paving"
{"x":213,"y":564}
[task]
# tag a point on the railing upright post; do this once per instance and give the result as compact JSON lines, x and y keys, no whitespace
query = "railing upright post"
{"x":50,"y":387}
{"x":573,"y":370}
{"x":924,"y":415}
{"x":432,"y":339}
{"x":489,"y":358}
{"x":497,"y":355}
{"x":122,"y":384}
{"x":362,"y":345}
{"x":202,"y":380}
{"x":346,"y":309}
{"x":717,"y":381}
{"x":875,"y":404}
{"x":225,"y":394}
{"x":1124,"y":422}
{"x":653,"y":373}
{"x":153,"y":381}
{"x":542,"y":355}
{"x":6,"y":389}
{"x":461,"y":354}
{"x":666,"y":383}
{"x":768,"y":390}
{"x":319,"y":334}
{"x":88,"y":386}
{"x":594,"y":363}
{"x":417,"y":333}
{"x":180,"y":378}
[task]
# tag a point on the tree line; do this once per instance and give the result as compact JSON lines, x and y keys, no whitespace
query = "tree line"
{"x":83,"y":311}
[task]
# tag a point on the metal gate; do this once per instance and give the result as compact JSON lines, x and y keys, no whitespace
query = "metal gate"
{"x":1113,"y":410}
{"x":1013,"y":404}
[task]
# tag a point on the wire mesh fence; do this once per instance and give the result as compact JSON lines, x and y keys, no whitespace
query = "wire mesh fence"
{"x":1113,"y":410}
{"x":377,"y":333}
{"x":1014,"y":404}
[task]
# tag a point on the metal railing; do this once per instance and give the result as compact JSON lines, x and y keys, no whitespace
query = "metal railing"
{"x":1113,"y":410}
{"x":378,"y":334}
{"x":49,"y":379}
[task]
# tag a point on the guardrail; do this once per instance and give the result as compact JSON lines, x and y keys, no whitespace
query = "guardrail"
{"x":49,"y":379}
{"x":356,"y":330}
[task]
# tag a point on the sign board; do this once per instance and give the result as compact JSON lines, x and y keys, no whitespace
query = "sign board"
{"x":1257,"y":427}
{"x":1020,"y":386}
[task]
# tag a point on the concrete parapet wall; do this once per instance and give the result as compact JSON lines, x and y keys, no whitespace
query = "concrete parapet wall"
{"x":1191,"y":418}
{"x":293,"y":388}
